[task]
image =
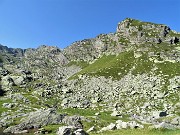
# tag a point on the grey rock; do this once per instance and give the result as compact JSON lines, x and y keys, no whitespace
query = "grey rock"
{"x":9,"y":105}
{"x":74,"y":121}
{"x":4,"y":72}
{"x":115,"y":113}
{"x":36,"y":120}
{"x":80,"y":132}
{"x":7,"y":81}
{"x":21,"y":132}
{"x":65,"y":130}
{"x":163,"y":125}
{"x":70,"y":130}
{"x":176,"y":121}
{"x":91,"y":129}
{"x":134,"y":124}
{"x":111,"y":126}
{"x":18,"y":80}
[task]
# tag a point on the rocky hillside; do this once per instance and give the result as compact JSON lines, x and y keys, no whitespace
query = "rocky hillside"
{"x":116,"y":81}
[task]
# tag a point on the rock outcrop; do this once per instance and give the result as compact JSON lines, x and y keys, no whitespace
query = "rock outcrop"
{"x":121,"y":80}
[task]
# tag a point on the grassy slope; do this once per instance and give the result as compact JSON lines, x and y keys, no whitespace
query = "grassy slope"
{"x":109,"y":66}
{"x":104,"y":119}
{"x":140,"y":132}
{"x":118,"y":66}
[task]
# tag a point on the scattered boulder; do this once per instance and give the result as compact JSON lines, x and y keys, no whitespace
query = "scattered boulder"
{"x":91,"y":129}
{"x":112,"y":126}
{"x":163,"y":114}
{"x":65,"y":130}
{"x":7,"y":81}
{"x":74,"y":121}
{"x":134,"y":125}
{"x":4,"y":72}
{"x":70,"y":130}
{"x":115,"y":113}
{"x":80,"y":132}
{"x":163,"y":125}
{"x":19,"y":80}
{"x":8,"y":105}
{"x":176,"y":121}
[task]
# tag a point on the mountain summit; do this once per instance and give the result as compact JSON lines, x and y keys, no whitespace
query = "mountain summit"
{"x":116,"y":81}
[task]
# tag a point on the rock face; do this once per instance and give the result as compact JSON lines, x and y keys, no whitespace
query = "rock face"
{"x":138,"y":31}
{"x":131,"y":75}
{"x":129,"y":31}
{"x":41,"y":118}
{"x":36,"y":120}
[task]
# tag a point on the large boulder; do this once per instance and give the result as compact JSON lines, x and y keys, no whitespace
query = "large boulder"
{"x":176,"y":121}
{"x":7,"y":82}
{"x":111,"y":126}
{"x":36,"y":120}
{"x":163,"y":125}
{"x":70,"y":130}
{"x":65,"y":130}
{"x":74,"y":121}
{"x":18,"y":80}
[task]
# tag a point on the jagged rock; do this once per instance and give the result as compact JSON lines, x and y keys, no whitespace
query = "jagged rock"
{"x":7,"y":81}
{"x":74,"y":121}
{"x":4,"y":72}
{"x":133,"y":124}
{"x":112,"y":126}
{"x":21,"y":132}
{"x":115,"y":113}
{"x":80,"y":132}
{"x":36,"y":120}
{"x":163,"y":114}
{"x":163,"y":125}
{"x":41,"y":131}
{"x":124,"y":125}
{"x":65,"y":130}
{"x":176,"y":121}
{"x":91,"y":129}
{"x":70,"y":130}
{"x":119,"y":124}
{"x":9,"y":105}
{"x":18,"y":80}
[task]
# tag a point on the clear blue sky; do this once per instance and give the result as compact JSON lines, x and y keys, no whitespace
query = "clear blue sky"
{"x":30,"y":23}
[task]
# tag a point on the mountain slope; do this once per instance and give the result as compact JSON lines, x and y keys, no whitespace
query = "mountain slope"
{"x":121,"y":80}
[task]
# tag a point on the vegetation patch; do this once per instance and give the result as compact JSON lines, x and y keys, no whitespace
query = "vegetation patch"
{"x":81,"y":64}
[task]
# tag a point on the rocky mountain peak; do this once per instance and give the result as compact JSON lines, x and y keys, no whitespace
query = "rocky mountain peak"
{"x":137,"y":25}
{"x":138,"y":31}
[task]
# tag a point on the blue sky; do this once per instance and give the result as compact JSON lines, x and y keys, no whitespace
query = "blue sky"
{"x":30,"y":23}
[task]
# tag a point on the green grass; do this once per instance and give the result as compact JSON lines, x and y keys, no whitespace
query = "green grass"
{"x":123,"y":40}
{"x":81,"y":64}
{"x":75,"y":111}
{"x":118,"y":66}
{"x":52,"y":131}
{"x":2,"y":109}
{"x":52,"y":128}
{"x":109,"y":66}
{"x":142,"y":65}
{"x":139,"y":132}
{"x":162,"y":47}
{"x":1,"y":59}
{"x":168,"y":68}
{"x":171,"y":33}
